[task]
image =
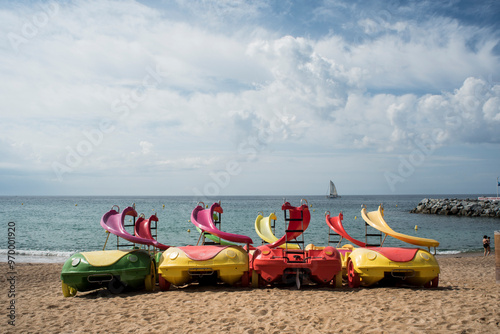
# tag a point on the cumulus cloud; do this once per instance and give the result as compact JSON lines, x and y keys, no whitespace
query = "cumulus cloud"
{"x":99,"y":77}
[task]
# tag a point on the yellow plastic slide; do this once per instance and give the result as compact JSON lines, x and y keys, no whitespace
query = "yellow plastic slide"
{"x":376,"y":220}
{"x":265,"y":232}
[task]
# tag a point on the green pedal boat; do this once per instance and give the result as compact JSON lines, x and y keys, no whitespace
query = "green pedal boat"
{"x":113,"y":269}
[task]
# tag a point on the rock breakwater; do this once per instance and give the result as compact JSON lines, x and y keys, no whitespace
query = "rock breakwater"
{"x":459,"y":207}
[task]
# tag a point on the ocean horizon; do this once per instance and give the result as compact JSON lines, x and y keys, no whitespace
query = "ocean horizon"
{"x":52,"y":228}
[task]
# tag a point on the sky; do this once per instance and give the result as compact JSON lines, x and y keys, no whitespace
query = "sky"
{"x":233,"y":97}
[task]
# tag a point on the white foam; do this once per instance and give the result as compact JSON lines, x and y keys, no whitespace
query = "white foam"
{"x":36,"y":256}
{"x":448,"y":252}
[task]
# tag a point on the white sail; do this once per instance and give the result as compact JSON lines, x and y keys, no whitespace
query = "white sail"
{"x":332,"y":193}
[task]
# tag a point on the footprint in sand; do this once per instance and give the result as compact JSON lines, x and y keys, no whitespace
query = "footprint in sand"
{"x":262,"y":312}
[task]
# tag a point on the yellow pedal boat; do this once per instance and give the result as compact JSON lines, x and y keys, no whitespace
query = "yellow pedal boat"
{"x":182,"y":265}
{"x":414,"y":266}
{"x":411,"y":266}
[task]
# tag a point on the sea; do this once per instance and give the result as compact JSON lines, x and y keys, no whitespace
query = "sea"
{"x":49,"y":229}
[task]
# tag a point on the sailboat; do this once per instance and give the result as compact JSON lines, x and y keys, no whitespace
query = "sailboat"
{"x":332,"y":191}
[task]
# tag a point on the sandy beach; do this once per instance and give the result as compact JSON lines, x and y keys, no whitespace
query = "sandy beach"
{"x":466,"y":301}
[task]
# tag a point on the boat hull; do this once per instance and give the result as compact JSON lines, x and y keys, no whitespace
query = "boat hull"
{"x":113,"y":269}
{"x":279,"y":265}
{"x":371,"y":267}
{"x":344,"y":251}
{"x":229,"y":263}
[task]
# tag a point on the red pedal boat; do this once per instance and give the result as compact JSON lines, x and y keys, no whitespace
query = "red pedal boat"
{"x":271,"y":264}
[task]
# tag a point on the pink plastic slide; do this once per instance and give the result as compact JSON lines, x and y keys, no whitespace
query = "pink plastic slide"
{"x":113,"y":222}
{"x":300,"y":218}
{"x":203,"y":219}
{"x":335,"y":223}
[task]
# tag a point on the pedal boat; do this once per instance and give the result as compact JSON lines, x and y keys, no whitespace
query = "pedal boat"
{"x":187,"y":264}
{"x":206,"y":263}
{"x":271,"y":264}
{"x":113,"y":269}
{"x":410,"y":266}
{"x":278,"y":265}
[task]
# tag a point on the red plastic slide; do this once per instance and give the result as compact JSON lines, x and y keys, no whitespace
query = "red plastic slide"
{"x":143,"y":230}
{"x":300,"y":218}
{"x":335,"y":223}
